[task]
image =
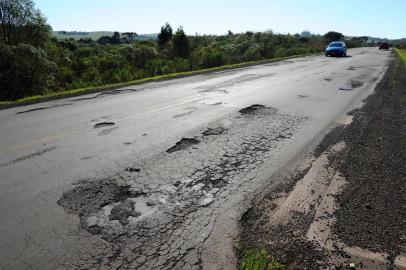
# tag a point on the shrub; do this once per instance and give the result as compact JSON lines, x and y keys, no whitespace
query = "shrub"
{"x":24,"y":71}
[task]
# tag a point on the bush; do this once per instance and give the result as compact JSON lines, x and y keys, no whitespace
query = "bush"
{"x":24,"y":71}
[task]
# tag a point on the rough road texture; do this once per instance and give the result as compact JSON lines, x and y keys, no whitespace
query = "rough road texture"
{"x":371,"y":208}
{"x":160,"y":217}
{"x":93,"y":185}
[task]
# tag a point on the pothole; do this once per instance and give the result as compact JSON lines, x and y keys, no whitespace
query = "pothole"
{"x":251,"y":109}
{"x":346,"y":88}
{"x":183,"y":144}
{"x":352,"y":85}
{"x":89,"y":197}
{"x":104,"y":124}
{"x":214,"y":131}
{"x":129,"y":169}
{"x":356,"y":84}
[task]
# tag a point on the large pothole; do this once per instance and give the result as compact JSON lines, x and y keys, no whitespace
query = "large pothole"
{"x":90,"y":196}
{"x":183,"y":144}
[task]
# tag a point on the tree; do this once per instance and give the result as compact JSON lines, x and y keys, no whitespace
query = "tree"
{"x":20,"y":22}
{"x":333,"y":36}
{"x":24,"y":71}
{"x":181,"y":46}
{"x":130,"y":35}
{"x":104,"y":40}
{"x":165,"y":36}
{"x":116,"y":38}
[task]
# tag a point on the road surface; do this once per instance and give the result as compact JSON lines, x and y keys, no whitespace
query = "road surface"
{"x":156,"y":176}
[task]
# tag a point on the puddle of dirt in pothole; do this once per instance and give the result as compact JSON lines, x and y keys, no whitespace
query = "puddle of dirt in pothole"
{"x":214,"y":131}
{"x":183,"y":144}
{"x":104,"y":124}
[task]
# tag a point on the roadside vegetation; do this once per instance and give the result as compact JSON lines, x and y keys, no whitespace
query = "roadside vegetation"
{"x":259,"y":259}
{"x":35,"y":64}
{"x":402,"y":54}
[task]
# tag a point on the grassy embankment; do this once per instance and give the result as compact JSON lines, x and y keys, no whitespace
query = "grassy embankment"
{"x":402,"y":54}
{"x":89,"y":90}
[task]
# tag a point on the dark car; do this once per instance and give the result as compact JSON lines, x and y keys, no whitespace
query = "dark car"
{"x":384,"y":46}
{"x":336,"y":48}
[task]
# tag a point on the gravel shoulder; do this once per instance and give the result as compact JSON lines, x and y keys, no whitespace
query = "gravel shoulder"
{"x":345,"y":206}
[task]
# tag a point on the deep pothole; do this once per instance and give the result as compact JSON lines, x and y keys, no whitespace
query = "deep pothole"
{"x":251,"y":109}
{"x":88,"y":197}
{"x":104,"y":124}
{"x":183,"y":144}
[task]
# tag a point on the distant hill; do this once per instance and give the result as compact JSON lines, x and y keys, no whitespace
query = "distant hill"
{"x":95,"y":35}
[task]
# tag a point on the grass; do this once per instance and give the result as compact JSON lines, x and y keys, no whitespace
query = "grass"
{"x":89,"y":90}
{"x":402,"y":54}
{"x":95,"y":35}
{"x":92,"y":35}
{"x":259,"y":259}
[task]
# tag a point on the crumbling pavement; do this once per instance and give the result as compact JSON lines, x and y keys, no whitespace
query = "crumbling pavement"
{"x":159,"y":215}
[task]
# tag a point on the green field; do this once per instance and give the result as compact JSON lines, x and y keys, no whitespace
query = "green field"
{"x":93,"y":35}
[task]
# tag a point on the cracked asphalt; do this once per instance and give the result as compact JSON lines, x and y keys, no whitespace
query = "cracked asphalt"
{"x":157,"y":176}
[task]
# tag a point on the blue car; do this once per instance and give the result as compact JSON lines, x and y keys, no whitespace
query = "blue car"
{"x":336,"y":48}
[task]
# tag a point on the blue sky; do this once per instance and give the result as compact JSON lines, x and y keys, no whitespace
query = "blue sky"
{"x":378,"y":18}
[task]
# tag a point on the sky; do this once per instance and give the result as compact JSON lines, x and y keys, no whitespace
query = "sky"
{"x":377,"y":18}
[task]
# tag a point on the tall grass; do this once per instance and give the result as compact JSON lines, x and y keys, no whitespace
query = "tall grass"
{"x":402,"y":54}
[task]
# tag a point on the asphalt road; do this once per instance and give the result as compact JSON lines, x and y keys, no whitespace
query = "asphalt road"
{"x":100,"y":181}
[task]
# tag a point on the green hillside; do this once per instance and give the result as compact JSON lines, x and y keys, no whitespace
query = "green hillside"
{"x":94,"y":35}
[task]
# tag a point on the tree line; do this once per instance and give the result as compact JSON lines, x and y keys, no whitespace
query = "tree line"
{"x":32,"y":62}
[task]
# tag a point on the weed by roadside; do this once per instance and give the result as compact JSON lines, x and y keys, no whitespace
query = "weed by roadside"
{"x":259,"y":259}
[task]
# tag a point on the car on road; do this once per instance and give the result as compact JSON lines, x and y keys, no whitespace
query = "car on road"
{"x":336,"y":48}
{"x":383,"y":46}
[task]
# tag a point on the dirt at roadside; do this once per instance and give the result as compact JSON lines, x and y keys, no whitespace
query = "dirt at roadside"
{"x":350,"y":205}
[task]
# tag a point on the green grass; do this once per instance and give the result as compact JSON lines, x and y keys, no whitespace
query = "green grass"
{"x":402,"y":54}
{"x":259,"y":259}
{"x":89,"y":90}
{"x":95,"y":35}
{"x":92,"y":35}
